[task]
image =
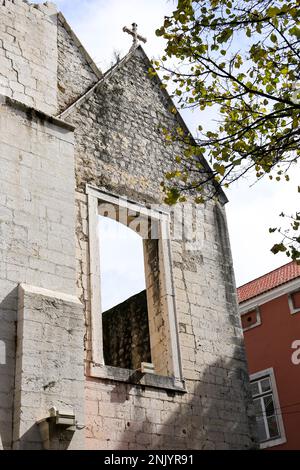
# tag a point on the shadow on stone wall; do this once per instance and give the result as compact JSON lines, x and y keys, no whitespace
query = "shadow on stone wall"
{"x":28,"y":441}
{"x":217,"y":413}
{"x":8,"y":318}
{"x":32,"y":439}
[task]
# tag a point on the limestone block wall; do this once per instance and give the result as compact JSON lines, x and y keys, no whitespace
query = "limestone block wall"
{"x":49,"y":368}
{"x":120,"y":149}
{"x":28,"y":53}
{"x":76,"y":71}
{"x":37,"y":224}
{"x":126,"y":341}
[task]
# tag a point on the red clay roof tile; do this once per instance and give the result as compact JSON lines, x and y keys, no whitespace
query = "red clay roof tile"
{"x":269,"y":281}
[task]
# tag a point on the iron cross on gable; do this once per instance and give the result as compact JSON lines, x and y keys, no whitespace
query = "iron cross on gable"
{"x":134,"y":34}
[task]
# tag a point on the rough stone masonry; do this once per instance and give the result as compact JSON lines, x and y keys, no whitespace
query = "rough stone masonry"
{"x":65,"y":127}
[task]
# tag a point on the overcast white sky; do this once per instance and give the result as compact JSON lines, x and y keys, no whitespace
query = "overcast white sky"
{"x":251,"y":211}
{"x":120,"y":248}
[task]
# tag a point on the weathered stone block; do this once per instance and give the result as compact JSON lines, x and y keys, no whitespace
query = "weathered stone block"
{"x":52,"y":380}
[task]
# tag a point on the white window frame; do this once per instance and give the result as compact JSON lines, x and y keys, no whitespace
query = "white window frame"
{"x":270,"y":374}
{"x":258,"y":318}
{"x":293,"y":310}
{"x":97,"y":366}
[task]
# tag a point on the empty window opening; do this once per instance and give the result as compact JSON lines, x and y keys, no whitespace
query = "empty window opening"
{"x":133,"y":296}
{"x":121,"y":262}
{"x":133,"y":314}
{"x":126,"y":337}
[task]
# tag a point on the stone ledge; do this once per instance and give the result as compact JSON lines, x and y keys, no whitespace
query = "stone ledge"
{"x":136,"y":378}
{"x":49,"y":365}
{"x":34,"y":113}
{"x":24,"y":288}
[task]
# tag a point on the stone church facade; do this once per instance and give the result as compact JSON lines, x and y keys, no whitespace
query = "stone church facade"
{"x":76,"y":143}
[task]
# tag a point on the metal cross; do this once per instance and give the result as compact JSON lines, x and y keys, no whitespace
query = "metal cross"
{"x":134,"y":34}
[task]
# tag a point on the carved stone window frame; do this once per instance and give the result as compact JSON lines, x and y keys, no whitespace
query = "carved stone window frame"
{"x":97,"y":367}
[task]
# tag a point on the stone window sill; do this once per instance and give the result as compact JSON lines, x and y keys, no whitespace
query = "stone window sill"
{"x":136,"y":378}
{"x":273,"y":443}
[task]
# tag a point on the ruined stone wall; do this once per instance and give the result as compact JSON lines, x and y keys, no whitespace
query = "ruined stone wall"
{"x":37,"y":224}
{"x":76,"y":72}
{"x":28,"y":53}
{"x":126,"y":341}
{"x":120,"y":148}
{"x":157,"y":311}
{"x":37,"y":247}
{"x":42,"y":62}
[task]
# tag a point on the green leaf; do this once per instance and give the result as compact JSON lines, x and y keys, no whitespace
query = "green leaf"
{"x":295,"y":31}
{"x":253,"y":129}
{"x":272,"y":11}
{"x":278,"y":248}
{"x":219,"y":169}
{"x":172,"y":197}
{"x":199,"y":200}
{"x":225,"y":35}
{"x":160,"y":32}
{"x":273,"y":38}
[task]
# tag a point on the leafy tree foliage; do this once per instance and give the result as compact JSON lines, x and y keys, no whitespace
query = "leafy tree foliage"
{"x":241,"y":57}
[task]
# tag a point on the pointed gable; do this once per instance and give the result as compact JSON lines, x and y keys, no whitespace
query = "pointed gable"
{"x":127,"y":110}
{"x":76,"y":70}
